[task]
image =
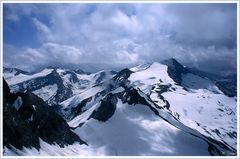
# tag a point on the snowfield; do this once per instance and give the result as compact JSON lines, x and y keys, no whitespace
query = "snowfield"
{"x":213,"y":115}
{"x":12,"y":80}
{"x":144,"y":79}
{"x":72,"y":102}
{"x":46,"y":92}
{"x":148,"y":110}
{"x":135,"y":130}
{"x":202,"y":106}
{"x":54,"y":84}
{"x":55,"y":150}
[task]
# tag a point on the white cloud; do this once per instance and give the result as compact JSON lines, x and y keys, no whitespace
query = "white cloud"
{"x":126,"y":34}
{"x":62,"y":53}
{"x":44,"y":32}
{"x":46,"y":55}
{"x":129,"y":23}
{"x":125,"y":57}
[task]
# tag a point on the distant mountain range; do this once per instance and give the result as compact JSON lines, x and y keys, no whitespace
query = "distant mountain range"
{"x":54,"y":84}
{"x":151,"y":109}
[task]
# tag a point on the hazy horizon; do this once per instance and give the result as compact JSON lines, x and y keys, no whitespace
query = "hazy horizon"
{"x":93,"y":37}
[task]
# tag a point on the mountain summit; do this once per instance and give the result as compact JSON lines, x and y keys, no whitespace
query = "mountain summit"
{"x":150,"y":109}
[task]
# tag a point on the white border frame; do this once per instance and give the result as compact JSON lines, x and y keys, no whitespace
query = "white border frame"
{"x":117,"y":1}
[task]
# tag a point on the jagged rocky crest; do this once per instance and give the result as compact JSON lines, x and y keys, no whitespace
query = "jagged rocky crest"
{"x":26,"y":118}
{"x":175,"y":70}
{"x":111,"y":96}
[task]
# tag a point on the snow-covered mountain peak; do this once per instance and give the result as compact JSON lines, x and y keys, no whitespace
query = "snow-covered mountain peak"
{"x":55,"y":84}
{"x":100,"y":117}
{"x":154,"y":108}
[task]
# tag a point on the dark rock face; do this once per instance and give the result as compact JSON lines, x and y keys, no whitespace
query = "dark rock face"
{"x":78,"y":109}
{"x":32,"y":120}
{"x":167,"y":105}
{"x":47,"y":124}
{"x":161,"y":89}
{"x":121,"y":78}
{"x":227,"y":84}
{"x":106,"y":108}
{"x":16,"y":132}
{"x":175,"y":70}
{"x":122,"y":75}
{"x":6,"y":92}
{"x":101,"y":77}
{"x":131,"y":96}
{"x":228,"y":87}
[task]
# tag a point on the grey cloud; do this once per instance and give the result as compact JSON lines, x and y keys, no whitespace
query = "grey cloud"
{"x":119,"y":35}
{"x":47,"y":55}
{"x":205,"y":24}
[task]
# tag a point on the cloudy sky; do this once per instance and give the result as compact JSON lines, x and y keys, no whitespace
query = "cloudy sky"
{"x":113,"y":36}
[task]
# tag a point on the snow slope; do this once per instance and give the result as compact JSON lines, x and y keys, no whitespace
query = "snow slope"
{"x":197,"y":102}
{"x":144,"y":111}
{"x":54,"y":84}
{"x":55,"y":150}
{"x":214,"y":115}
{"x":135,"y":130}
{"x":12,"y":80}
{"x":144,"y":79}
{"x":46,"y":92}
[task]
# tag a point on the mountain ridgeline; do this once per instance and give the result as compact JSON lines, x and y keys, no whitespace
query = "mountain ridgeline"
{"x":151,"y":109}
{"x":26,"y":118}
